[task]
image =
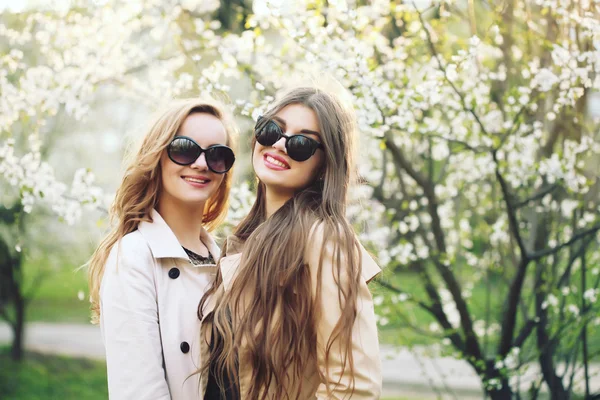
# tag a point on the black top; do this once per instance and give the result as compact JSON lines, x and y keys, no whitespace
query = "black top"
{"x":197,"y":259}
{"x":213,"y":390}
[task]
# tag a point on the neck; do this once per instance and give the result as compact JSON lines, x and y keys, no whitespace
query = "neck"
{"x":274,"y":199}
{"x":185,"y":220}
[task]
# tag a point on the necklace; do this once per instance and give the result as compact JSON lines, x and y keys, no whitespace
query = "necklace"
{"x":197,"y":259}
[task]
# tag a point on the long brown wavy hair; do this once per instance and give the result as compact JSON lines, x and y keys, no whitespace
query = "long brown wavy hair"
{"x":140,"y":187}
{"x":270,"y":307}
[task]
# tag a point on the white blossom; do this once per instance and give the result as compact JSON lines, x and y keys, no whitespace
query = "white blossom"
{"x":551,"y":300}
{"x":591,"y":295}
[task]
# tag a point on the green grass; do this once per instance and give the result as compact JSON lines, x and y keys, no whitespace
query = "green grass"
{"x":45,"y":377}
{"x":403,"y":315}
{"x":56,"y":299}
{"x":51,"y":377}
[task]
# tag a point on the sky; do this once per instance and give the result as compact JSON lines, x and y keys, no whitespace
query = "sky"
{"x":20,"y":5}
{"x":12,"y":5}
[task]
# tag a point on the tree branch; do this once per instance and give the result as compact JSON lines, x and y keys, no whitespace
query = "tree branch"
{"x":525,"y":332}
{"x":449,"y":279}
{"x":512,"y":217}
{"x":514,"y":296}
{"x":510,"y":313}
{"x":400,"y":160}
{"x":428,"y":188}
{"x":442,"y":68}
{"x":459,"y":142}
{"x":537,"y":196}
{"x":553,"y":250}
{"x":397,"y":290}
{"x":572,"y":259}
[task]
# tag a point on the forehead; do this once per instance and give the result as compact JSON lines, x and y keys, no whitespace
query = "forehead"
{"x":206,"y":129}
{"x":298,"y":117}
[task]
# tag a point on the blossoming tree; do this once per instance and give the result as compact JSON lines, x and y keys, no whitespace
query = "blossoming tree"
{"x":479,"y":146}
{"x":50,"y":65}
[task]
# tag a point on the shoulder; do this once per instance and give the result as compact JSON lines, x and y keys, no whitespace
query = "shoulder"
{"x":325,"y":241}
{"x":326,"y":235}
{"x":319,"y":232}
{"x":130,"y":266}
{"x":131,"y":249}
{"x":232,"y":245}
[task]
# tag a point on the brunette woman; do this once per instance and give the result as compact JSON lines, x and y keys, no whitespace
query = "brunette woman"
{"x":290,"y":315}
{"x":149,"y":272}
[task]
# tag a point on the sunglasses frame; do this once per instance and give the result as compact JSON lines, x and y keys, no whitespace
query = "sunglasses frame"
{"x":315,"y":145}
{"x":200,"y":153}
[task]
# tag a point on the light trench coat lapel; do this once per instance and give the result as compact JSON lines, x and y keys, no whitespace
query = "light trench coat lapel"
{"x":164,"y":244}
{"x":231,"y":261}
{"x":228,"y":265}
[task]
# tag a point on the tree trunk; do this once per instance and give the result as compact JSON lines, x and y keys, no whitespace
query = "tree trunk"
{"x":545,"y":343}
{"x":504,"y":393}
{"x":16,"y":352}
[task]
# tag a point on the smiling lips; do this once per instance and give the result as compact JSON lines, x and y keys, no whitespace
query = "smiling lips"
{"x":197,"y":181}
{"x":275,"y":162}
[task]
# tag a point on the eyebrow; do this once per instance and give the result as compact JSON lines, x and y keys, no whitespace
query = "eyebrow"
{"x":307,"y":131}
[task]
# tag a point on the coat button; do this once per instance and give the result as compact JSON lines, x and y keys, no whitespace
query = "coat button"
{"x":174,"y":273}
{"x":185,"y":347}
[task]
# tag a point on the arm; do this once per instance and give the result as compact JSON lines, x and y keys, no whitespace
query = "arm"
{"x":130,"y":326}
{"x":364,"y":345}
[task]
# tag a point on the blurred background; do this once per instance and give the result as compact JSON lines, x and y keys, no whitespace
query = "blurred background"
{"x":479,"y":172}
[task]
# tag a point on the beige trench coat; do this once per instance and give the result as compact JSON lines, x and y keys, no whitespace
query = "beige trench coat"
{"x":148,"y":301}
{"x":365,"y":343}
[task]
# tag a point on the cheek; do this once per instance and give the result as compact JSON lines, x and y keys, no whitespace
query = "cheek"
{"x":164,"y":169}
{"x":256,"y":156}
{"x":167,"y":167}
{"x":220,"y":179}
{"x":314,"y":167}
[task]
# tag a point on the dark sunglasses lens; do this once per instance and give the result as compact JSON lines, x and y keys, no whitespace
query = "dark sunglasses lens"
{"x":220,"y":159}
{"x":299,"y":148}
{"x":269,"y":135}
{"x":183,"y":151}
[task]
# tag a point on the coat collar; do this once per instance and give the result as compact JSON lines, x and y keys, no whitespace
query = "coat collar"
{"x":234,"y":245}
{"x":163,"y":242}
{"x":370,"y":269}
{"x":231,"y":259}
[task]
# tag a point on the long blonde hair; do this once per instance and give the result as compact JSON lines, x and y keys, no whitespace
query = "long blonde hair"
{"x":140,"y":187}
{"x":278,"y":328}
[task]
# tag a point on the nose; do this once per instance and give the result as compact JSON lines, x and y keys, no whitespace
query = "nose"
{"x":280,"y":145}
{"x":200,"y":163}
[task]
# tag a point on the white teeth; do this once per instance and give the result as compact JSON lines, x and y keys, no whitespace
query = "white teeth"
{"x":195,"y":180}
{"x":276,"y":162}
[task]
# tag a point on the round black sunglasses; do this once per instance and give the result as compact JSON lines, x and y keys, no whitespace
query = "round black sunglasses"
{"x":184,"y":151}
{"x":299,"y":147}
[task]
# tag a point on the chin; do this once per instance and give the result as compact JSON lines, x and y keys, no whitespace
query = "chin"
{"x":272,"y":181}
{"x":195,"y":199}
{"x":282,"y":186}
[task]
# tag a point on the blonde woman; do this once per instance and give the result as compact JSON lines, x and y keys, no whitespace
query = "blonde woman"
{"x":290,"y":315}
{"x":149,"y":272}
